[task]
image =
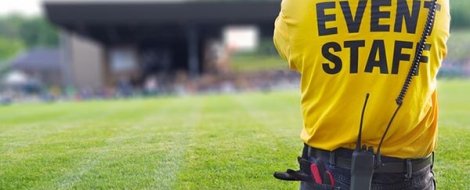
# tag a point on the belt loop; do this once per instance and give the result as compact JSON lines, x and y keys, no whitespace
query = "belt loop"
{"x":332,"y":159}
{"x":309,"y":150}
{"x":432,"y":160}
{"x":305,"y":152}
{"x":409,"y":169}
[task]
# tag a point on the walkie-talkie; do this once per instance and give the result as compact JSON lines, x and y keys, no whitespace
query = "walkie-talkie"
{"x":364,"y":161}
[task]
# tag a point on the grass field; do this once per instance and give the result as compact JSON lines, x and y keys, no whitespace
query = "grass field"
{"x":202,"y":142}
{"x":247,"y":63}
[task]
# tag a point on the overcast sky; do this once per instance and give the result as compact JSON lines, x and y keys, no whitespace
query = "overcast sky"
{"x":25,"y":7}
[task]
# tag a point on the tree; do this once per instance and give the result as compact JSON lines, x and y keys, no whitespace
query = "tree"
{"x":460,"y":14}
{"x":38,"y":32}
{"x":18,"y":33}
{"x":9,"y":48}
{"x":31,"y":31}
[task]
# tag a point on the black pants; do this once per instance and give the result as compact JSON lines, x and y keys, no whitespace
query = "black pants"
{"x":420,"y":180}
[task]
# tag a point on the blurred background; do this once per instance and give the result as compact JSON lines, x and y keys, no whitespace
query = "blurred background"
{"x":97,"y":49}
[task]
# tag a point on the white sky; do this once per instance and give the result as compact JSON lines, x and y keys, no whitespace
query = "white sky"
{"x":25,"y":7}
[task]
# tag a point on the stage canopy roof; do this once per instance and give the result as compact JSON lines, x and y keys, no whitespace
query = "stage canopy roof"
{"x":108,"y":21}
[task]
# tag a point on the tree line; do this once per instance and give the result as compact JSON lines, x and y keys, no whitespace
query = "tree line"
{"x":460,"y":14}
{"x":18,"y":33}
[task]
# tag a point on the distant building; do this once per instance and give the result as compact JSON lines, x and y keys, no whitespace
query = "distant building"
{"x":107,"y":42}
{"x":41,"y":64}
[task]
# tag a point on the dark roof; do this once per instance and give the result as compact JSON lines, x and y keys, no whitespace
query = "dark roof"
{"x":38,"y":59}
{"x":164,"y":12}
{"x":128,"y":21}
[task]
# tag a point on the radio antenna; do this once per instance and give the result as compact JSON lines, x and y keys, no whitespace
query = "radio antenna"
{"x":359,"y":136}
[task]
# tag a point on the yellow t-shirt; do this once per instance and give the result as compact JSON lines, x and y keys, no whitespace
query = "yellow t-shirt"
{"x":346,"y":49}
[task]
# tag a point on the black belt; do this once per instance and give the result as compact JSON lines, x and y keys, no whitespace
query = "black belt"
{"x":342,"y":158}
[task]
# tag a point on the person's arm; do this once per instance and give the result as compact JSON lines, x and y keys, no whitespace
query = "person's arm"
{"x":287,"y":29}
{"x":281,"y":41}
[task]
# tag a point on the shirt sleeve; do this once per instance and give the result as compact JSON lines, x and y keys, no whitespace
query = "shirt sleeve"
{"x":280,"y":38}
{"x":286,"y":30}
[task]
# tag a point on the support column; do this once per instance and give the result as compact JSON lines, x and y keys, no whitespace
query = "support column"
{"x":193,"y":51}
{"x":66,"y":59}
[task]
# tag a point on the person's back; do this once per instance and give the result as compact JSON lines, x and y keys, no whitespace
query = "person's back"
{"x":347,"y":49}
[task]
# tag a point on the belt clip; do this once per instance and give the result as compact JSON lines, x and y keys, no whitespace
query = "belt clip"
{"x":409,"y":169}
{"x":432,"y":161}
{"x":309,"y":152}
{"x":332,"y":160}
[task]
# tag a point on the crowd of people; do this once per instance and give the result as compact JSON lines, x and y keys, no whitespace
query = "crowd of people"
{"x":179,"y":84}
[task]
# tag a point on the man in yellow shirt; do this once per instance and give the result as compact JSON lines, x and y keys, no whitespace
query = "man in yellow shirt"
{"x":347,"y":50}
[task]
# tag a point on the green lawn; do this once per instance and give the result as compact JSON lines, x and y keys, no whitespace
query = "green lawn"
{"x":251,"y":63}
{"x":202,"y":142}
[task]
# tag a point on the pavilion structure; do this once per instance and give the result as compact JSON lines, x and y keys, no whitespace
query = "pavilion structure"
{"x":104,"y":42}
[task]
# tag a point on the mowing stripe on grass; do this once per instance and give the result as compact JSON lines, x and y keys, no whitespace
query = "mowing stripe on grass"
{"x":95,"y":157}
{"x":168,"y":168}
{"x":70,"y":178}
{"x":284,"y":128}
{"x":133,"y":165}
{"x":18,"y":137}
{"x":231,"y":150}
{"x":9,"y":146}
{"x":119,"y":113}
{"x":39,"y":112}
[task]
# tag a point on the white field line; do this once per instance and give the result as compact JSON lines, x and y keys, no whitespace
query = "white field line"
{"x":168,"y":168}
{"x":12,"y":147}
{"x":48,"y":121}
{"x":73,"y":176}
{"x":41,"y":130}
{"x":262,"y":118}
{"x":27,"y":113}
{"x":37,"y":139}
